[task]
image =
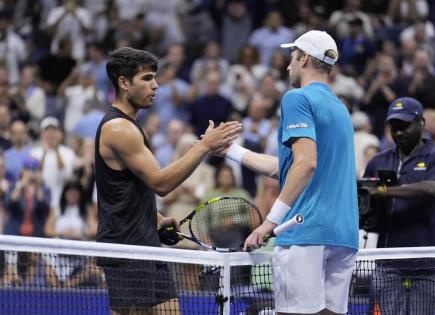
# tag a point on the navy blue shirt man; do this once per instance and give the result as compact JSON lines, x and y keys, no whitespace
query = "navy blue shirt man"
{"x":408,"y":220}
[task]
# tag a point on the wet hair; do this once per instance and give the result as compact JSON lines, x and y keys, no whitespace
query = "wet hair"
{"x":127,"y":62}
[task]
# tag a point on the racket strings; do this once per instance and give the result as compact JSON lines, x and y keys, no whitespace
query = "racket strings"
{"x":226,"y":222}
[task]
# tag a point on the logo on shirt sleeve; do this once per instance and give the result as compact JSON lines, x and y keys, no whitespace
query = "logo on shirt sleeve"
{"x":421,"y":166}
{"x":298,"y":125}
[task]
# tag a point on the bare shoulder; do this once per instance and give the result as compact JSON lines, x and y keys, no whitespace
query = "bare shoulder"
{"x":120,"y":134}
{"x":119,"y":129}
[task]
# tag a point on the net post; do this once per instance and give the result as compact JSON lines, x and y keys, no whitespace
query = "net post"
{"x":225,"y":286}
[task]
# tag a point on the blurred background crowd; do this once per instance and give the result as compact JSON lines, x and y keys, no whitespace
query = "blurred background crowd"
{"x":219,"y":60}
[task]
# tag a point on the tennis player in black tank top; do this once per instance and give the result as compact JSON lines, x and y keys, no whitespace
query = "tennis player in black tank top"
{"x":128,"y":176}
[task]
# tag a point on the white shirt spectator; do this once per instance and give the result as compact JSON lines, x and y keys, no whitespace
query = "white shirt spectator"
{"x":347,"y":86}
{"x":70,"y":220}
{"x":70,"y":25}
{"x":76,"y":97}
{"x":12,"y":52}
{"x":128,"y":9}
{"x":54,"y":177}
{"x":266,"y":41}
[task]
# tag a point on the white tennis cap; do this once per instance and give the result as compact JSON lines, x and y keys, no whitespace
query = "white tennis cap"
{"x":316,"y":44}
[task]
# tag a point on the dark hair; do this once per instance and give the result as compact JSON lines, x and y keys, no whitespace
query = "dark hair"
{"x":127,"y":62}
{"x":219,"y":170}
{"x":319,"y":65}
{"x":82,"y":202}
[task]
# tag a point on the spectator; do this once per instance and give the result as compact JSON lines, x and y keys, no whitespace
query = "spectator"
{"x":55,"y":68}
{"x":97,"y":62}
{"x":422,"y":81}
{"x":256,"y":125}
{"x":77,"y":94}
{"x":249,"y":58}
{"x":226,"y":185}
{"x":86,"y":126}
{"x":382,"y":90}
{"x":271,"y":90}
{"x":210,"y":60}
{"x":71,"y":220}
{"x":70,"y":20}
{"x":408,"y":48}
{"x":355,"y":48}
{"x":278,"y":65}
{"x":363,"y":139}
{"x":339,"y":19}
{"x":31,"y":94}
{"x":57,"y":160}
{"x":267,"y":193}
{"x":212,"y":106}
{"x":4,"y":189}
{"x":171,"y":97}
{"x":269,"y":37}
{"x":345,"y":85}
{"x":186,"y":197}
{"x":422,"y":31}
{"x":12,"y":48}
{"x":408,"y":218}
{"x":5,"y":119}
{"x":163,"y":19}
{"x":176,"y":55}
{"x":192,"y":14}
{"x":236,"y":28}
{"x":165,"y":152}
{"x":403,"y":11}
{"x":429,"y":126}
{"x":84,"y":168}
{"x":151,"y":127}
{"x":15,"y":156}
{"x":28,"y":202}
{"x":238,"y":87}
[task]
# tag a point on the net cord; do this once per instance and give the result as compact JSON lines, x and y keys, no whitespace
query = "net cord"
{"x":84,"y":248}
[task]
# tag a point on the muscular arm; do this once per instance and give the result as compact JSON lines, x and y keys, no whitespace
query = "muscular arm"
{"x":121,"y":139}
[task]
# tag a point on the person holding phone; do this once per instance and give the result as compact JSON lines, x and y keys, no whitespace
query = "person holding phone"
{"x":408,"y":219}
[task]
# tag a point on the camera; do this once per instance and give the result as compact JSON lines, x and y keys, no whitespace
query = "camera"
{"x":370,"y":208}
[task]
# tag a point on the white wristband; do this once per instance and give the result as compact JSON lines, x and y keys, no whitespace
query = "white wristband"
{"x":236,"y":153}
{"x":278,"y":212}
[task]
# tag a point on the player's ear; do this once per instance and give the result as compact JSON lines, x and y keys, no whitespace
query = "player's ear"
{"x":123,"y":83}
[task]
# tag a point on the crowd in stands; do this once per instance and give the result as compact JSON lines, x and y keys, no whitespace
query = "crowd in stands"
{"x":219,"y":60}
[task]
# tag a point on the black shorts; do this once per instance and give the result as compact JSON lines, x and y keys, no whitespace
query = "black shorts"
{"x":139,"y":284}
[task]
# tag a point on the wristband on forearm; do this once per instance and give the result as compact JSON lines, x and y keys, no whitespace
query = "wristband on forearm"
{"x":236,"y":153}
{"x":278,"y":212}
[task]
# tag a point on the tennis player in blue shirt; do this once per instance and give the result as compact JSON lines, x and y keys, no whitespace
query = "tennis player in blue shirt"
{"x":312,"y":263}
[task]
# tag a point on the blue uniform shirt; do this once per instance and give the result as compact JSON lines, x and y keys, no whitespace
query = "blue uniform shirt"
{"x":329,"y":202}
{"x":407,"y":222}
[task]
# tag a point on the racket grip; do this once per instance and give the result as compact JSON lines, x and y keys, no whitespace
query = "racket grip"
{"x":296,"y":220}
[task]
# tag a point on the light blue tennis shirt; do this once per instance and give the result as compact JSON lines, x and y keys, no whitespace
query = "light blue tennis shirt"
{"x":329,"y":202}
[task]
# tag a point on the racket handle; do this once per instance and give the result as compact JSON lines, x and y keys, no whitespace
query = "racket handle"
{"x":296,"y":220}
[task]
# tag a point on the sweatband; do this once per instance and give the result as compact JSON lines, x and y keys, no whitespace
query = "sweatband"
{"x":278,"y":212}
{"x":236,"y":152}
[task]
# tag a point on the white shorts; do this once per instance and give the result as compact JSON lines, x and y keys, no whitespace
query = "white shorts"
{"x":308,"y":279}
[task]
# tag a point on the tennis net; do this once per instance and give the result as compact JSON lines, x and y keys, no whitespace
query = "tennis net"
{"x":52,"y":276}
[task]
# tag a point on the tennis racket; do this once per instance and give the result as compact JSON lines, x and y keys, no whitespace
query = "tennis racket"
{"x":222,"y":224}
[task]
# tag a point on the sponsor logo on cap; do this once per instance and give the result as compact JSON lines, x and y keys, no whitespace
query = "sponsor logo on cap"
{"x":421,"y":166}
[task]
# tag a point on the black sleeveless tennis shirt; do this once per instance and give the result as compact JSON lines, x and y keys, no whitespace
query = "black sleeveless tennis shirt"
{"x":126,"y":206}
